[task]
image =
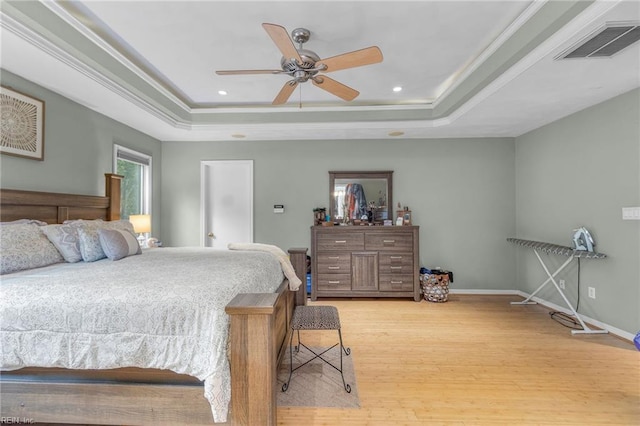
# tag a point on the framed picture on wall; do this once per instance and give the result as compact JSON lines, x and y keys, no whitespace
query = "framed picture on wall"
{"x":22,"y":125}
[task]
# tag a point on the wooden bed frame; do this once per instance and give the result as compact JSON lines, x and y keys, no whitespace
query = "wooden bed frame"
{"x":258,"y":332}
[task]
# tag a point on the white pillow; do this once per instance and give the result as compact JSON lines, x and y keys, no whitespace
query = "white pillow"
{"x":24,"y":246}
{"x":117,"y":244}
{"x":65,"y":238}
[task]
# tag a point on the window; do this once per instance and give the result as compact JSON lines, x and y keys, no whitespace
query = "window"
{"x":136,"y":185}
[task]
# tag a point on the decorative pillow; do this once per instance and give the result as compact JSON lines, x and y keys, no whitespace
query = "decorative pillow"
{"x":24,"y":246}
{"x":65,"y":238}
{"x":117,"y":244}
{"x":90,"y":247}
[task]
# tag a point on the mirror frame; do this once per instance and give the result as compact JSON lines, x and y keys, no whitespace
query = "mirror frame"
{"x":385,"y":174}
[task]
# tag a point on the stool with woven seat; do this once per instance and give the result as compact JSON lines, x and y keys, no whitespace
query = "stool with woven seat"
{"x":315,"y":318}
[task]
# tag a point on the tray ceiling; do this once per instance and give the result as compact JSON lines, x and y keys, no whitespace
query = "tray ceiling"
{"x":466,"y":69}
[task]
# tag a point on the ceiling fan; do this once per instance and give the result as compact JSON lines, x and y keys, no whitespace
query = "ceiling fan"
{"x":303,"y":65}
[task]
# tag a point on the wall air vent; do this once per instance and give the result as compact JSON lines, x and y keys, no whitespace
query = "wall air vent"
{"x":605,"y":42}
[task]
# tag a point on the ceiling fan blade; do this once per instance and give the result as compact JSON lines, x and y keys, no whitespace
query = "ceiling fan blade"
{"x":285,"y":92}
{"x":281,"y":38}
{"x":357,"y":58}
{"x":335,"y":88}
{"x":240,"y":72}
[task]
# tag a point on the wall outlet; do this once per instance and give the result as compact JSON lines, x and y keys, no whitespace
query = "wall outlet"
{"x":561,"y":284}
{"x":592,"y":292}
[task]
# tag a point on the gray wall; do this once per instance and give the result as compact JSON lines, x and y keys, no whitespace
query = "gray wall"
{"x":78,"y":148}
{"x":581,"y":171}
{"x":461,"y":192}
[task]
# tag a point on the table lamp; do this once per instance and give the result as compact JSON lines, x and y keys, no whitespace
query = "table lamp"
{"x":141,"y":225}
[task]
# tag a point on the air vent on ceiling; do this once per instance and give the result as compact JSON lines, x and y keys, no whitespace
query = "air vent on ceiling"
{"x":607,"y":41}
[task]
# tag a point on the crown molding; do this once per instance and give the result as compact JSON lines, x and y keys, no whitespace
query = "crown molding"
{"x":42,"y":43}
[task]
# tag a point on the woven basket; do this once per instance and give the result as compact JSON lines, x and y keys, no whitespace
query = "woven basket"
{"x":435,"y":287}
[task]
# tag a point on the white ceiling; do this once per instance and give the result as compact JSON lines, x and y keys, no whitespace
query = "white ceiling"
{"x":467,"y":68}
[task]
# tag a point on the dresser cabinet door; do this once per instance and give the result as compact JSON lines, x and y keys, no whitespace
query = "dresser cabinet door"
{"x":364,"y":271}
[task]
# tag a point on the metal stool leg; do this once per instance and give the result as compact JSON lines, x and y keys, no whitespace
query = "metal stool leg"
{"x":285,"y":386}
{"x":346,"y":351}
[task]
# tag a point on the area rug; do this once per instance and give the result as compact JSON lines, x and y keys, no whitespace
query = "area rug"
{"x":317,"y":384}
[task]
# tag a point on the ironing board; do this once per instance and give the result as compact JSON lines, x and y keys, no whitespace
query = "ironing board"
{"x":559,"y":250}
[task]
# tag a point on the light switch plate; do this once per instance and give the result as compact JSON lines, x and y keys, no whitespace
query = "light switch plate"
{"x":631,"y":213}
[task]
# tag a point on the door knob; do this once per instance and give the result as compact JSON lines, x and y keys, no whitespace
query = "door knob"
{"x":210,"y":235}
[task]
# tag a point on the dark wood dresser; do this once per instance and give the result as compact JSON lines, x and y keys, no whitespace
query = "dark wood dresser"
{"x":365,"y":261}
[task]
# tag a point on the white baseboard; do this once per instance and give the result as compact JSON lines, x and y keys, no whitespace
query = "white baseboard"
{"x":613,"y":330}
{"x":485,"y":292}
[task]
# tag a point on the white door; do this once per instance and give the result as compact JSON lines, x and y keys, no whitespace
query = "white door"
{"x":226,"y":202}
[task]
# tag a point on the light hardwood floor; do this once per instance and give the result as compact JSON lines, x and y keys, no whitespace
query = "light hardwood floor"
{"x":476,"y":360}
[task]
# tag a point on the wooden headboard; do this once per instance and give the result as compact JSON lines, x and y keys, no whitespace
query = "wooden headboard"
{"x":52,"y":207}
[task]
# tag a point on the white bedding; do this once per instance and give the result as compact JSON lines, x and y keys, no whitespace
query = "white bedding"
{"x":163,"y":309}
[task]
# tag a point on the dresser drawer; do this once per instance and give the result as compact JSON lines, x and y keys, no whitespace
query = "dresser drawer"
{"x":334,"y":282}
{"x":394,"y":263}
{"x":396,"y":269}
{"x":340,"y":241}
{"x":390,"y":282}
{"x":389,"y":241}
{"x":334,"y":263}
{"x":396,"y":259}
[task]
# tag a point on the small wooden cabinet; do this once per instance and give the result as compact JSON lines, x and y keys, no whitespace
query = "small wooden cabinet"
{"x":365,"y":261}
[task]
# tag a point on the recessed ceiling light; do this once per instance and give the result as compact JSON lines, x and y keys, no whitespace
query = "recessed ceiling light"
{"x":397,"y":89}
{"x":222,"y":92}
{"x":238,"y":135}
{"x":396,"y":133}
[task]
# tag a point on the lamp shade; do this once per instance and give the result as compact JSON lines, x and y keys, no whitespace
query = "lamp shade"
{"x":141,"y":222}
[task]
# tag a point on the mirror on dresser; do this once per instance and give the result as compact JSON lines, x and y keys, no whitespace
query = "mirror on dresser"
{"x":353,"y":194}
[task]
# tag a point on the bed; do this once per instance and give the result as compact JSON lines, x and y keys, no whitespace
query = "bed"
{"x":158,"y":391}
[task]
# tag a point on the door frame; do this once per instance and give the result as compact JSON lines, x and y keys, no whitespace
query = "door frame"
{"x":203,"y":194}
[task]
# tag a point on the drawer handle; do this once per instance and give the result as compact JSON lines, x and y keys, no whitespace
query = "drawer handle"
{"x":388,"y":241}
{"x":396,"y":267}
{"x":333,"y":267}
{"x":396,"y":257}
{"x":334,"y":257}
{"x":334,"y":282}
{"x":341,"y":241}
{"x":396,"y":282}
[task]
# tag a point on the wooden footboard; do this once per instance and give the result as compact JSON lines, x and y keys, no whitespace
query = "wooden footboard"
{"x":258,"y":332}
